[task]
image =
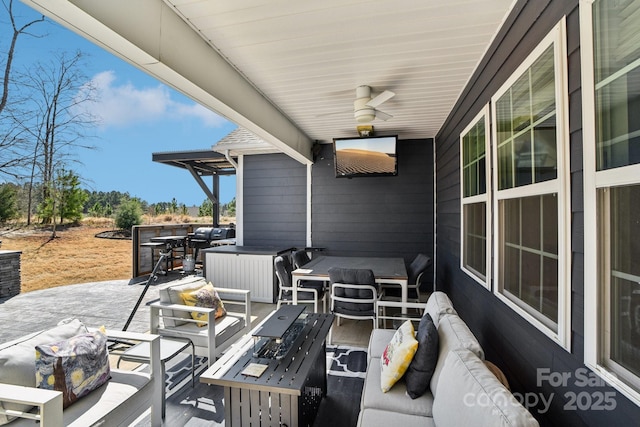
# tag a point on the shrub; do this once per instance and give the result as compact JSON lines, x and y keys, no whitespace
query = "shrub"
{"x":8,"y":204}
{"x":129,"y":214}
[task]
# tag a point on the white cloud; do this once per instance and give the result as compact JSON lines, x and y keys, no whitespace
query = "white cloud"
{"x":125,"y":105}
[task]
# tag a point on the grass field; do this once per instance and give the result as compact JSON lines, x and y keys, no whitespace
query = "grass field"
{"x":75,"y":255}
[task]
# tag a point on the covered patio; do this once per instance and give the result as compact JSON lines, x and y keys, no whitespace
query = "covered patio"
{"x":517,"y":160}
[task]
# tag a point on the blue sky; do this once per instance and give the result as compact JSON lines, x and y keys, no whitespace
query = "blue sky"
{"x":138,"y":116}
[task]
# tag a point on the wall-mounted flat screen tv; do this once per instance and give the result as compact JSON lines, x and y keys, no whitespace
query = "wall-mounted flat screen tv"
{"x":373,"y":156}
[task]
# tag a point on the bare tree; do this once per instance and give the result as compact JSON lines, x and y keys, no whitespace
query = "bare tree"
{"x":17,"y":31}
{"x":12,"y":142}
{"x":60,"y":92}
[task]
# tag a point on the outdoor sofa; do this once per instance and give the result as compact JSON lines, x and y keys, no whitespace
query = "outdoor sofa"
{"x":124,"y":397}
{"x":462,"y":389}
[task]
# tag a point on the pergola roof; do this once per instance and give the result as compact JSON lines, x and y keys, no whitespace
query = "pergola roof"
{"x":201,"y":162}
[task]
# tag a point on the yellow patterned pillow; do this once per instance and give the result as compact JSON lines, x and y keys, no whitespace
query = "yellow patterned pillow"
{"x":206,"y":297}
{"x":397,"y":355}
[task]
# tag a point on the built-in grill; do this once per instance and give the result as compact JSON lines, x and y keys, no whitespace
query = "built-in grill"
{"x":205,"y":237}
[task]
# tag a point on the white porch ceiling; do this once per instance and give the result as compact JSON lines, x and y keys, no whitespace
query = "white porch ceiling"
{"x":287,"y":70}
{"x":308,"y":57}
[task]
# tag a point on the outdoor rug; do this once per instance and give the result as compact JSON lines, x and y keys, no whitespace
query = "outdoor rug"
{"x":203,"y":404}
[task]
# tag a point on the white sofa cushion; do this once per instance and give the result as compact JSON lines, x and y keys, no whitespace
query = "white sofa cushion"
{"x":470,"y":395}
{"x":439,"y":305}
{"x":378,"y":418}
{"x":396,"y":399}
{"x":378,"y":342}
{"x":107,"y":405}
{"x":453,"y":333}
{"x":18,"y":357}
{"x":226,"y":327}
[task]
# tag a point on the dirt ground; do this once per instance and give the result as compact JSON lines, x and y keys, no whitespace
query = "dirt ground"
{"x":74,"y":256}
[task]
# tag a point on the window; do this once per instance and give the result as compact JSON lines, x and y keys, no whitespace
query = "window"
{"x":611,"y":130}
{"x":475,"y":247}
{"x":530,"y":176}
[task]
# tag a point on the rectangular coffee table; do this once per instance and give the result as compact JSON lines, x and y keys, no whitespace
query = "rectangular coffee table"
{"x":288,"y":392}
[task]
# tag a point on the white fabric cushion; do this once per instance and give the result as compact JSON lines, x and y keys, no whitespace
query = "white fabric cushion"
{"x":225,"y":327}
{"x":171,"y":294}
{"x":379,"y":418}
{"x":396,"y":399}
{"x":439,"y":305}
{"x":453,"y":333}
{"x":18,"y":357}
{"x":470,"y":395}
{"x":378,"y":342}
{"x":110,"y":405}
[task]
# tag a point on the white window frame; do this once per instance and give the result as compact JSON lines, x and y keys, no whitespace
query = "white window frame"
{"x":560,"y":185}
{"x":479,"y":198}
{"x":595,"y":297}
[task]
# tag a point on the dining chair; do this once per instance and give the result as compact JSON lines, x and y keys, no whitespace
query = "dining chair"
{"x":307,"y":292}
{"x":300,"y":258}
{"x":354,"y":294}
{"x":415,"y":270}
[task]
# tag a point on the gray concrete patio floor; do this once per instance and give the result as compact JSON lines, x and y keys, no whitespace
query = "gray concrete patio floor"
{"x":98,"y":303}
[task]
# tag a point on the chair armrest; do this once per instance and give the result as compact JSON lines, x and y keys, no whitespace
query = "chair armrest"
{"x":154,"y":366}
{"x":48,"y":402}
{"x":181,"y":307}
{"x":246,"y":302}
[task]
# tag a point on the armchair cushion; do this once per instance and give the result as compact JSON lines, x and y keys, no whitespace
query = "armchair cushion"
{"x":75,"y":366}
{"x":206,"y":297}
{"x":17,"y":358}
{"x":171,"y":294}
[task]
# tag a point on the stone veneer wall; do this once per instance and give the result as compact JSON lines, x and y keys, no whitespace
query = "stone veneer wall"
{"x":9,"y":273}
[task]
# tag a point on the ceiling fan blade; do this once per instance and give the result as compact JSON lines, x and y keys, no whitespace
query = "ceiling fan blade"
{"x":383,"y":116}
{"x":383,"y":97}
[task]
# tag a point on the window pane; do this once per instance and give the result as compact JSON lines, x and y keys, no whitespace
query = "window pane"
{"x":524,"y":165}
{"x":545,"y":155}
{"x":529,"y":268}
{"x":526,"y":120}
{"x":475,"y":238}
{"x":530,"y":215}
{"x":473,"y":156}
{"x":617,"y":75}
{"x":624,"y":205}
{"x":505,"y":168}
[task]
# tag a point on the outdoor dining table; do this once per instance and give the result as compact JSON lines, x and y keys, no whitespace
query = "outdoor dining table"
{"x":388,"y":270}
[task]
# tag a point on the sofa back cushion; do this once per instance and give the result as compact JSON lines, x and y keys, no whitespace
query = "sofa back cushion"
{"x":470,"y":395}
{"x":453,"y":334}
{"x":171,"y":294}
{"x":18,"y":358}
{"x":438,"y":305}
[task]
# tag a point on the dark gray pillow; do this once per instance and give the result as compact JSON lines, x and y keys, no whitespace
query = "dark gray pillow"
{"x":421,"y":368}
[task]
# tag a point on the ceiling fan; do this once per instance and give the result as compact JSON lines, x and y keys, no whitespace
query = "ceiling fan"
{"x":365,"y":108}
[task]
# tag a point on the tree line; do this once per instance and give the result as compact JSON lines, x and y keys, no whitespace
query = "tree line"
{"x":74,"y":203}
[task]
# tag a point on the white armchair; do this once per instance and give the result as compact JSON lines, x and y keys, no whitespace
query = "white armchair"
{"x":171,"y":318}
{"x":122,"y":400}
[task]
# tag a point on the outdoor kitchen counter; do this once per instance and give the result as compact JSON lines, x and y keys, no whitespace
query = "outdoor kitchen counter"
{"x":252,"y":250}
{"x":244,"y":267}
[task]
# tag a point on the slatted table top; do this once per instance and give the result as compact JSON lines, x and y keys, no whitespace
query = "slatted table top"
{"x":286,"y":375}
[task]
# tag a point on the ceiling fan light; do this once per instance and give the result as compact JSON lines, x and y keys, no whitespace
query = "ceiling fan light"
{"x":362,"y":113}
{"x":364,"y":116}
